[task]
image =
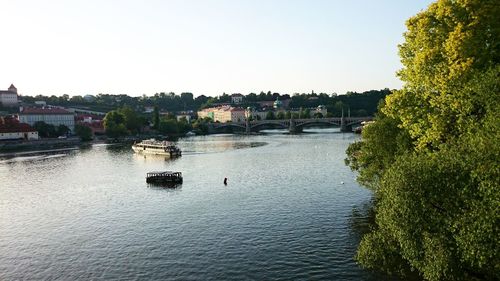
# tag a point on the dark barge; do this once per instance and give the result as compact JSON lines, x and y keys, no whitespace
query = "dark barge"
{"x":164,"y":178}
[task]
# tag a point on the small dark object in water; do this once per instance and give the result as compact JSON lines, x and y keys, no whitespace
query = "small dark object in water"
{"x":164,"y":178}
{"x":225,"y":181}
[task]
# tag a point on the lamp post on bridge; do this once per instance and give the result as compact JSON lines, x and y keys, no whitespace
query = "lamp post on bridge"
{"x":343,"y":127}
{"x":292,"y":128}
{"x":248,"y":115}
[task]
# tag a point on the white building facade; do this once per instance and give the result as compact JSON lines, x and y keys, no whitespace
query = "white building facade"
{"x":32,"y":135}
{"x":52,"y":116}
{"x":236,"y":98}
{"x":223,"y":114}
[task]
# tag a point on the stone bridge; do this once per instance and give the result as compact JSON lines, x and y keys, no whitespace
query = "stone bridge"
{"x":293,"y":125}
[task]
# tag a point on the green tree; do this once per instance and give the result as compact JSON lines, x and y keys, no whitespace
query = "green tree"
{"x":270,"y":115}
{"x":200,"y":126}
{"x":45,"y":130}
{"x":337,"y":108}
{"x":84,"y":132}
{"x":156,"y":117}
{"x":361,"y":112}
{"x":306,"y":113}
{"x":187,"y":100}
{"x":168,"y":126}
{"x":76,"y":99}
{"x":280,"y":115}
{"x":183,"y":125}
{"x":431,"y":156}
{"x":446,"y":46}
{"x":62,"y":130}
{"x":114,"y":124}
{"x":131,"y":120}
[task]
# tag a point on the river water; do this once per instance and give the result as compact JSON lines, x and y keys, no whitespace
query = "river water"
{"x":291,"y":211}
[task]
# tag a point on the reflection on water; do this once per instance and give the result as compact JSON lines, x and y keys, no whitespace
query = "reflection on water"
{"x":37,"y":157}
{"x":221,"y":143}
{"x":33,"y":155}
{"x":153,"y":157}
{"x":284,"y":215}
{"x":362,"y":218}
{"x":166,"y":186}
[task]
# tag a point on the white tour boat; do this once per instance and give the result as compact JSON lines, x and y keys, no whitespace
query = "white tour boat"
{"x":155,"y":147}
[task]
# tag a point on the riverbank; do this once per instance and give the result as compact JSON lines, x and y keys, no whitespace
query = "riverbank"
{"x":42,"y":144}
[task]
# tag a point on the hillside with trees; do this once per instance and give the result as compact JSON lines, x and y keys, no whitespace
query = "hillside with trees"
{"x":357,"y":104}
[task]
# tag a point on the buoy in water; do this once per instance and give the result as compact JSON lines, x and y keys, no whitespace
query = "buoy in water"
{"x":225,"y":181}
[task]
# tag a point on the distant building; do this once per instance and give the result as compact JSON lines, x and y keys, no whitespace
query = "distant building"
{"x":256,"y":114}
{"x":206,"y":112}
{"x":320,"y":109}
{"x":223,"y":114}
{"x":285,"y":103}
{"x":9,"y":98}
{"x":183,"y":115}
{"x":313,"y":112}
{"x":282,"y":104}
{"x":236,"y":98}
{"x":149,"y":109}
{"x":277,"y":104}
{"x":12,"y":129}
{"x":89,"y":98}
{"x":94,"y":122}
{"x":52,"y":116}
{"x":230,"y":114}
{"x":266,"y":104}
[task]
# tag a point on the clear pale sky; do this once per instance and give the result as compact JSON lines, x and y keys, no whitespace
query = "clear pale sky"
{"x":134,"y":47}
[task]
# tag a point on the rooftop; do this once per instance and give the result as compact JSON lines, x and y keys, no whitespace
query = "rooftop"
{"x":45,"y":111}
{"x":12,"y":125}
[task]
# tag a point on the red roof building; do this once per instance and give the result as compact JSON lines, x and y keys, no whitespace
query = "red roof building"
{"x":12,"y":129}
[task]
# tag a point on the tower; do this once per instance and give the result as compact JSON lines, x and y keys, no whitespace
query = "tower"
{"x":12,"y":88}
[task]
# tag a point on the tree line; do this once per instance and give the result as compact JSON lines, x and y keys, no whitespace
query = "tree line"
{"x":357,"y":104}
{"x":432,"y":155}
{"x":125,"y":121}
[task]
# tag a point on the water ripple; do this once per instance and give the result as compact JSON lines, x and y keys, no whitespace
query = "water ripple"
{"x":89,"y":214}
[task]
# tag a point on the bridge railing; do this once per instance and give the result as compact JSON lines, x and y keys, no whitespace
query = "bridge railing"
{"x":333,"y":120}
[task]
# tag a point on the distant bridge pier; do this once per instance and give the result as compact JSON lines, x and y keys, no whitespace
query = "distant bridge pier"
{"x":292,"y":129}
{"x":344,"y":128}
{"x":248,"y":129}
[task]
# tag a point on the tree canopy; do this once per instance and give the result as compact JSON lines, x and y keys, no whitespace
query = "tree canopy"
{"x":448,"y":50}
{"x":122,"y":121}
{"x":431,"y":156}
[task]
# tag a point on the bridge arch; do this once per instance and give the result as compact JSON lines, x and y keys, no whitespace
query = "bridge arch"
{"x":274,"y":124}
{"x":226,"y":127}
{"x":317,"y":122}
{"x":355,"y":122}
{"x":234,"y":125}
